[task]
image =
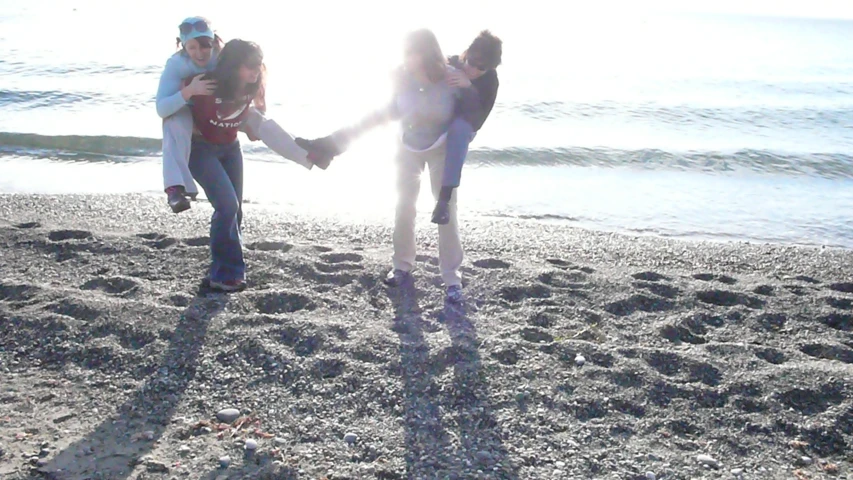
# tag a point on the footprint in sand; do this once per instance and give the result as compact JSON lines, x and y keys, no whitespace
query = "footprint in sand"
{"x":491,"y":263}
{"x":536,"y":335}
{"x":725,"y":298}
{"x":341,"y":257}
{"x":75,"y":310}
{"x":515,"y":294}
{"x":270,"y":246}
{"x":129,"y":336}
{"x":672,"y":364}
{"x":710,"y":277}
{"x":845,"y":287}
{"x":679,"y":333}
{"x":158,"y":241}
{"x":282,"y":302}
{"x":659,"y":289}
{"x":638,"y":302}
{"x":562,"y":264}
{"x":838,"y":321}
{"x":112,"y":285}
{"x":303,"y":344}
{"x":28,"y":225}
{"x":765,"y":290}
{"x":322,"y":249}
{"x":62,"y":235}
{"x":771,"y":355}
{"x":840,"y":303}
{"x":563,"y":279}
{"x":17,"y":293}
{"x":828,"y":352}
{"x":197,"y":242}
{"x":772,"y":321}
{"x":812,"y":402}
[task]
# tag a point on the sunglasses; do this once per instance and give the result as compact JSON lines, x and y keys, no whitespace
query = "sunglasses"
{"x":478,"y":67}
{"x":199,"y":26}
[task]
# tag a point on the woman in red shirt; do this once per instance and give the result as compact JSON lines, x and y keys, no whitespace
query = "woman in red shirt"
{"x":216,"y":161}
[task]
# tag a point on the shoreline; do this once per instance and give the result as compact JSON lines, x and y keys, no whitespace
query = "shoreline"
{"x":578,"y":354}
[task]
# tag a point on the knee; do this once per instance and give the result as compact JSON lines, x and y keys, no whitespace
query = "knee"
{"x":459,"y":126}
{"x":227,"y":206}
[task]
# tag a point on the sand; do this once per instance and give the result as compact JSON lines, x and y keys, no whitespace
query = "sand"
{"x":578,"y":354}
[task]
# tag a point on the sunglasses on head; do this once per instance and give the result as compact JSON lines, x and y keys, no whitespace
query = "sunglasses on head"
{"x":199,"y":26}
{"x":475,"y":65}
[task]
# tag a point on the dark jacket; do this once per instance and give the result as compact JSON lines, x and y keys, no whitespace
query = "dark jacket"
{"x":487,"y":88}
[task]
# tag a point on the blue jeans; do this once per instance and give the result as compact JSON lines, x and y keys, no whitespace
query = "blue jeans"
{"x":219,"y":171}
{"x":459,"y":135}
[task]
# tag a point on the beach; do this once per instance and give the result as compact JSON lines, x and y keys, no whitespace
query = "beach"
{"x":577,"y":354}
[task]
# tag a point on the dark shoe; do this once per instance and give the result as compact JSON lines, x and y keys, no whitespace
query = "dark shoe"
{"x":228,"y":285}
{"x":396,"y":277}
{"x":177,"y":199}
{"x":454,"y":294}
{"x":441,"y":213}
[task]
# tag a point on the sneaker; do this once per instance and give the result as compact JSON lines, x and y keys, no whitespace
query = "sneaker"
{"x":396,"y":277}
{"x":454,"y":294}
{"x":177,"y":199}
{"x":228,"y":285}
{"x":441,"y":213}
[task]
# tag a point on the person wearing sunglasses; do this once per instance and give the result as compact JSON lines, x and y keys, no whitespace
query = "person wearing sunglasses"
{"x":475,"y":67}
{"x":424,"y":102}
{"x":199,"y":49}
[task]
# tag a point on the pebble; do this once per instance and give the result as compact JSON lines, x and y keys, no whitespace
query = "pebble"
{"x":484,"y":457}
{"x":560,"y":464}
{"x":708,"y":460}
{"x":279,"y":441}
{"x":580,"y":360}
{"x":251,"y":445}
{"x":806,"y":460}
{"x":350,"y":438}
{"x":41,"y":462}
{"x":737,"y":472}
{"x":224,"y":462}
{"x":228,"y":415}
{"x":148,"y":435}
{"x":44,"y":452}
{"x":184,"y":449}
{"x":650,"y":476}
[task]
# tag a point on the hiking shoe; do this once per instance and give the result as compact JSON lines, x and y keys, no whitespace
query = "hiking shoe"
{"x":228,"y":285}
{"x":177,"y":199}
{"x":396,"y":277}
{"x":454,"y":294}
{"x":441,"y":213}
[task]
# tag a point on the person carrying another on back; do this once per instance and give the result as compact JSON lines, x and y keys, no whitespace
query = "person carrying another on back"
{"x":198,"y":54}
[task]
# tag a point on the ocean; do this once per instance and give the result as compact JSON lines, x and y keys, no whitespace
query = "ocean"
{"x":684,"y":125}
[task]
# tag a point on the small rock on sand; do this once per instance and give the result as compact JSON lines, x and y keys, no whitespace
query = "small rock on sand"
{"x":708,"y":460}
{"x":224,"y":462}
{"x":650,"y":476}
{"x":228,"y":415}
{"x":279,"y":441}
{"x":580,"y":360}
{"x":251,"y":445}
{"x":350,"y":438}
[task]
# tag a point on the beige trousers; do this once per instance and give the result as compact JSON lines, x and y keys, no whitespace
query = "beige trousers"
{"x":410,"y":167}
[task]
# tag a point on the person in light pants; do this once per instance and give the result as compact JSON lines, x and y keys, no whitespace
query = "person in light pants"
{"x":425,"y":101}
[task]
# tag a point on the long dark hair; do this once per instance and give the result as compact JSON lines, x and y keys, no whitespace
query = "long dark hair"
{"x":235,"y":54}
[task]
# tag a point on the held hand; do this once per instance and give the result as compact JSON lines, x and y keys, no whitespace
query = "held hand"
{"x":322,"y":159}
{"x":458,"y":79}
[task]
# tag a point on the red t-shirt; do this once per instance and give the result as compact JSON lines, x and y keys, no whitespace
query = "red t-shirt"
{"x":218,"y":120}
